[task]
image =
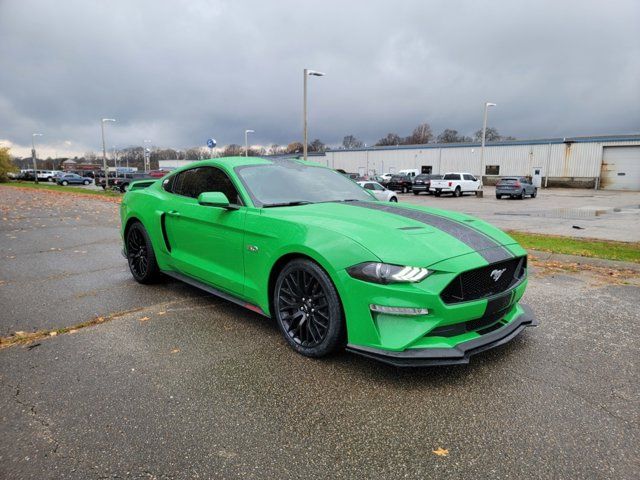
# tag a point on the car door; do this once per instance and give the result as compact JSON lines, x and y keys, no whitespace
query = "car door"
{"x":380,"y":192}
{"x":206,"y":242}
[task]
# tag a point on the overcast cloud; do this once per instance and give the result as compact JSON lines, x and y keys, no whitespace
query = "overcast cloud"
{"x":178,"y":72}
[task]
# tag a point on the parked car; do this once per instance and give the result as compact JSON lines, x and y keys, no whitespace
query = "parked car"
{"x":122,"y":181}
{"x":455,"y":183}
{"x":422,"y":182}
{"x":379,"y":191}
{"x":72,"y":179}
{"x":312,"y":250}
{"x":515,"y":187}
{"x":48,"y":175}
{"x":410,"y":172}
{"x":386,"y":177}
{"x":400,"y":183}
{"x":157,"y":173}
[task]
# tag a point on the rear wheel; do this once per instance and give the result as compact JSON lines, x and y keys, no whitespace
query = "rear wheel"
{"x":498,"y":196}
{"x":457,"y":192}
{"x":521,"y":196}
{"x":140,"y":255}
{"x":393,"y":199}
{"x":437,"y":194}
{"x":124,"y":188}
{"x":65,"y":183}
{"x":307,"y":309}
{"x":535,"y":192}
{"x":86,"y":182}
{"x":416,"y":193}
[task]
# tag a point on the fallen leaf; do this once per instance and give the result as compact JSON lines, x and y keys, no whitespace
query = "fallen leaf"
{"x":441,"y":452}
{"x":175,"y":350}
{"x":20,"y":333}
{"x":53,"y":334}
{"x":73,"y":330}
{"x":162,"y":313}
{"x":144,"y":319}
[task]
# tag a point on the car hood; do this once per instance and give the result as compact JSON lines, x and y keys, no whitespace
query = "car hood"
{"x":403,"y":234}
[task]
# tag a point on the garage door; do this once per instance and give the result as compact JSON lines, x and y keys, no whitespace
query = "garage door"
{"x":620,"y":168}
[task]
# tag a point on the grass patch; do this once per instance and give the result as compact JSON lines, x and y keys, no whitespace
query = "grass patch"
{"x":52,"y":187}
{"x":623,"y":251}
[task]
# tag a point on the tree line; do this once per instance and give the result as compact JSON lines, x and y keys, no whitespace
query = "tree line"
{"x":423,"y":134}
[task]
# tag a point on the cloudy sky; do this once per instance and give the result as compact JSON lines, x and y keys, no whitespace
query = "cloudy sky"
{"x":180,"y":71}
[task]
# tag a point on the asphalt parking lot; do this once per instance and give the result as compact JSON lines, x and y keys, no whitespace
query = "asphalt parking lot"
{"x":173,"y":383}
{"x":582,"y":213}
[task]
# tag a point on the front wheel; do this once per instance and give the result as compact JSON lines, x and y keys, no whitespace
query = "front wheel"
{"x":86,"y":182}
{"x":140,"y":255}
{"x":393,"y":199}
{"x":307,"y":309}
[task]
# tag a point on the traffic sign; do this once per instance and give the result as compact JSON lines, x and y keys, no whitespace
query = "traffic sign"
{"x":211,"y":142}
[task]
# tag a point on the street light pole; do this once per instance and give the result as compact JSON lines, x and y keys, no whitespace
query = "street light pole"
{"x":246,"y":141}
{"x":146,"y":154}
{"x":484,"y":134}
{"x":306,"y":73}
{"x":33,"y":155}
{"x":104,"y":153}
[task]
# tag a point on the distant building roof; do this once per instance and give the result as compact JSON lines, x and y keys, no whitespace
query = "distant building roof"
{"x":69,"y":161}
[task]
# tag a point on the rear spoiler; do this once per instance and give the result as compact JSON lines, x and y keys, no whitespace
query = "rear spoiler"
{"x":140,"y":184}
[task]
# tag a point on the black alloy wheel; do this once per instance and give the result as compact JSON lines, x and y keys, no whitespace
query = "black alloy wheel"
{"x":140,"y":255}
{"x":307,"y":309}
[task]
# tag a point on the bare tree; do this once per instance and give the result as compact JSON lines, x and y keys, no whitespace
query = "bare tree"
{"x":449,"y":135}
{"x":421,"y":134}
{"x":491,"y":135}
{"x":294,"y":147}
{"x":390,"y":139}
{"x":316,"y":146}
{"x":232,"y":150}
{"x":351,"y":142}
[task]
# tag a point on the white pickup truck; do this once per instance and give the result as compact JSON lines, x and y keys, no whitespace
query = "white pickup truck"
{"x":455,"y":183}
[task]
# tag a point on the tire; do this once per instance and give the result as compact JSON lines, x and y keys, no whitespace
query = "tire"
{"x":535,"y":193}
{"x":140,"y":255}
{"x":313,"y":327}
{"x":457,"y":192}
{"x":49,"y":179}
{"x":437,"y":194}
{"x":124,"y":187}
{"x":498,"y":196}
{"x":64,"y":183}
{"x":394,"y":199}
{"x":416,"y":193}
{"x":521,"y":196}
{"x":86,"y":182}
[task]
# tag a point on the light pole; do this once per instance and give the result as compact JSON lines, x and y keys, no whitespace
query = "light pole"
{"x":307,"y":73}
{"x":246,"y":141}
{"x":33,"y":154}
{"x":104,"y":153}
{"x":147,"y":153}
{"x":484,"y":134}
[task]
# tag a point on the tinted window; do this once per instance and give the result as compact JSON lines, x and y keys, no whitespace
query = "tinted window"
{"x":368,"y":186}
{"x":422,"y":177}
{"x":167,"y":183}
{"x":452,"y":176}
{"x":470,"y":177}
{"x":195,"y":181}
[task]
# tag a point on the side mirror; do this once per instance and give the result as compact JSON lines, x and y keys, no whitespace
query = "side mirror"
{"x":213,"y":199}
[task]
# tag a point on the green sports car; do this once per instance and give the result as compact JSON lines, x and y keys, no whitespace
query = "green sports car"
{"x":332,"y":265}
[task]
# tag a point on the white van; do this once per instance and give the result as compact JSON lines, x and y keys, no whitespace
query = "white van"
{"x":411,"y":172}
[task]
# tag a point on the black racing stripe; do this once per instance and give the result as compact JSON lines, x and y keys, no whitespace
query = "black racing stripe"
{"x":488,"y":248}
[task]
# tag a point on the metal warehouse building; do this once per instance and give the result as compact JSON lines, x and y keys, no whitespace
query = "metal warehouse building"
{"x":601,"y":162}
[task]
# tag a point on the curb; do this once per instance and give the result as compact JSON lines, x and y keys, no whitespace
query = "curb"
{"x":598,"y":262}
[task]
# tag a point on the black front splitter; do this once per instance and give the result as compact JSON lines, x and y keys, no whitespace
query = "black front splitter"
{"x":460,"y":354}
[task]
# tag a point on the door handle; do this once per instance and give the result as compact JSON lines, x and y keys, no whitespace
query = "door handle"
{"x":173,"y":213}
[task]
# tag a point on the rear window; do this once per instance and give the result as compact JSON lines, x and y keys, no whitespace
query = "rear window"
{"x":398,"y":177}
{"x":452,"y":176}
{"x":508,"y":180}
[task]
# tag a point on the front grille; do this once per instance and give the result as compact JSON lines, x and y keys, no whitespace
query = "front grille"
{"x":485,"y":281}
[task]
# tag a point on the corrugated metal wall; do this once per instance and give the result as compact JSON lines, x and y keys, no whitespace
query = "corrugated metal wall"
{"x":579,"y":159}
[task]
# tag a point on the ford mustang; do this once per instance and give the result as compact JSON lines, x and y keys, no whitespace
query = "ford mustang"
{"x":334,"y":267}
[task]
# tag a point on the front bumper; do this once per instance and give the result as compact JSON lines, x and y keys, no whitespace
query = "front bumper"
{"x":459,"y":354}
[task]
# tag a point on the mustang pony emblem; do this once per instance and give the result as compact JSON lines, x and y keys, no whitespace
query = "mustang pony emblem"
{"x":496,"y":274}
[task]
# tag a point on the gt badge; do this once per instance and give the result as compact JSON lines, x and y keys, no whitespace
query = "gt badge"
{"x":496,"y":274}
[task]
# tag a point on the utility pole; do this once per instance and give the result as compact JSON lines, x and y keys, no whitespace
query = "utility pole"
{"x":33,"y":155}
{"x":104,"y":153}
{"x":306,"y":73}
{"x":484,"y":134}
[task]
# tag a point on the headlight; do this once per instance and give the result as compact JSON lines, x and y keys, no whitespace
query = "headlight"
{"x":385,"y":273}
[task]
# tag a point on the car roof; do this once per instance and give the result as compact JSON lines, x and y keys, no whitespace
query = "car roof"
{"x":229,"y":163}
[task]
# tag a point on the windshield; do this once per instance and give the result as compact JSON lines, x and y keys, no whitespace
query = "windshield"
{"x":288,"y":182}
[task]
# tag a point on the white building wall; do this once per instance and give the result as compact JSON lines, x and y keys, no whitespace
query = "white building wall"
{"x":577,"y":159}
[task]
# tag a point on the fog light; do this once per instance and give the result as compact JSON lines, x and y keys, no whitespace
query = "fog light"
{"x":398,"y":310}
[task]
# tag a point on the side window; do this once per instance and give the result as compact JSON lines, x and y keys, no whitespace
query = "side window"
{"x":369,"y":186}
{"x":470,"y":177}
{"x":168,"y":183}
{"x":192,"y":183}
{"x":378,"y":187}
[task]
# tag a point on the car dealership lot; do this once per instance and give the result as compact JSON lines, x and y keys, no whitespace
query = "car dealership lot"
{"x":598,"y":214}
{"x":179,"y":384}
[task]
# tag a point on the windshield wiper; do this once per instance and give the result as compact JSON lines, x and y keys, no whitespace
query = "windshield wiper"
{"x":286,"y":204}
